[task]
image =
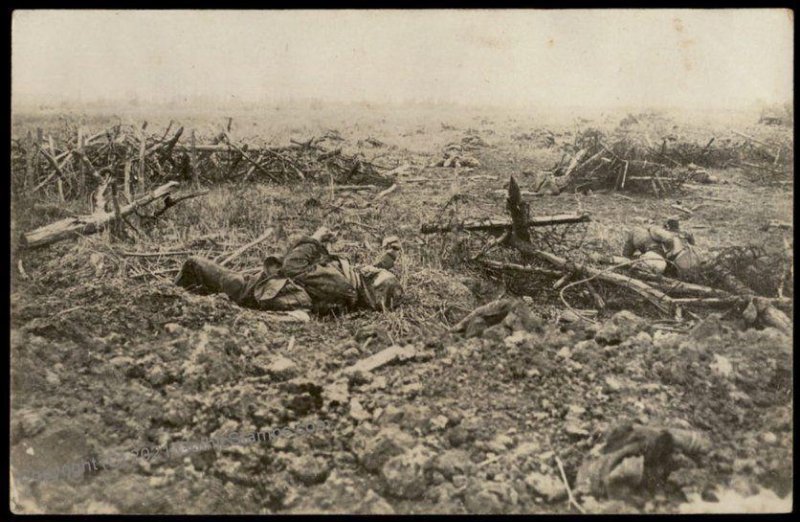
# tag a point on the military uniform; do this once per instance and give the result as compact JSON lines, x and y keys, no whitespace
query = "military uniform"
{"x":308,"y":276}
{"x":675,"y":248}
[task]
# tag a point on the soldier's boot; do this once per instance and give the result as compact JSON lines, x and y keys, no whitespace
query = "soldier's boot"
{"x":204,"y":274}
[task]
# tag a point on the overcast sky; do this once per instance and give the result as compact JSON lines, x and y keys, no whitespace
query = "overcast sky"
{"x":689,"y":58}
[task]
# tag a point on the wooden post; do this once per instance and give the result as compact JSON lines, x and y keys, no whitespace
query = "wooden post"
{"x":117,"y":228}
{"x":39,"y":140}
{"x":81,"y":164}
{"x":142,"y":147}
{"x":193,"y":157}
{"x":30,"y":154}
{"x":59,"y":182}
{"x":127,"y":182}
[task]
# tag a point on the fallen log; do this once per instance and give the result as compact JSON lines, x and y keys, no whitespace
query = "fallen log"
{"x":354,"y":187}
{"x":526,"y":193}
{"x":659,"y":299}
{"x":734,"y":299}
{"x":669,"y":285}
{"x":450,"y":179}
{"x":167,"y":146}
{"x":157,"y":254}
{"x":666,"y":284}
{"x":499,"y":225}
{"x":519,"y":268}
{"x":84,"y":225}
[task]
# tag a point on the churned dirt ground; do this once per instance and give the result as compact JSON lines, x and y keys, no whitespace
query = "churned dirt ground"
{"x":108,"y":356}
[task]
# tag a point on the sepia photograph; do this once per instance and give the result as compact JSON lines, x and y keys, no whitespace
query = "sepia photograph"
{"x":401,"y":261}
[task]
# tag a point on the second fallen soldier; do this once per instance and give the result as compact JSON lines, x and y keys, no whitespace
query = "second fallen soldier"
{"x":307,"y":277}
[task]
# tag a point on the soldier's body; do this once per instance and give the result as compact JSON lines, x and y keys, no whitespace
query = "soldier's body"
{"x":307,"y":277}
{"x":664,"y":250}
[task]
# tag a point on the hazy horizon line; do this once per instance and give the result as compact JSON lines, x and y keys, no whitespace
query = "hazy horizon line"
{"x":222,"y":102}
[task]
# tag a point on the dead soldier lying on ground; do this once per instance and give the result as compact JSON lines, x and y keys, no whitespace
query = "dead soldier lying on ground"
{"x":307,"y":277}
{"x":667,"y":250}
{"x":671,"y":252}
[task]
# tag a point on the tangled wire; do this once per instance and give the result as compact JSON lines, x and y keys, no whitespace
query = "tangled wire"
{"x":763,"y":273}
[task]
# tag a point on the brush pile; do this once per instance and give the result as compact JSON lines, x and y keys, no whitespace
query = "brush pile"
{"x":548,"y":261}
{"x":73,"y":164}
{"x":630,"y":158}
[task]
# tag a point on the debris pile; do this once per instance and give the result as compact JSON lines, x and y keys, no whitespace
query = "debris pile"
{"x":602,"y":279}
{"x":454,"y":155}
{"x":75,"y":163}
{"x":631,"y":160}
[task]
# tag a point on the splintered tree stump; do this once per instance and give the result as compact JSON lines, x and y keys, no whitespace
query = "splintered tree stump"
{"x":518,"y":210}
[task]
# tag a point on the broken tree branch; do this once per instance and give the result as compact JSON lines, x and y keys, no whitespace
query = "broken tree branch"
{"x":241,"y":250}
{"x":499,"y":225}
{"x":355,"y":188}
{"x":387,"y":191}
{"x":169,"y":202}
{"x":519,"y":268}
{"x":85,"y":225}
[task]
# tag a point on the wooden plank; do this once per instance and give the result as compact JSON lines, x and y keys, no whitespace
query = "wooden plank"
{"x":127,"y":182}
{"x":382,"y":358}
{"x":81,"y":144}
{"x":60,"y":181}
{"x":31,"y":149}
{"x":142,"y":149}
{"x":499,"y":225}
{"x":193,"y":157}
{"x":39,"y":139}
